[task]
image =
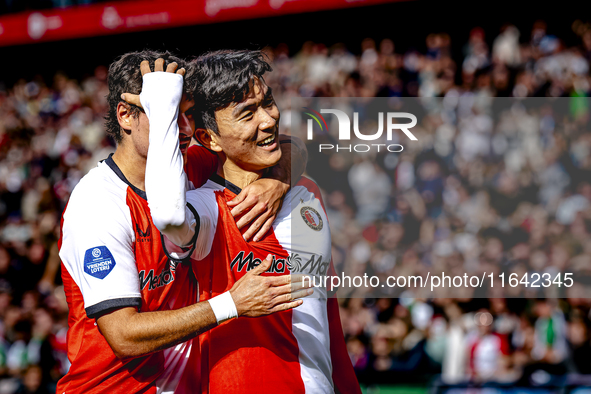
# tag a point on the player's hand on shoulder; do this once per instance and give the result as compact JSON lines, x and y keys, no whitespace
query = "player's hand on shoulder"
{"x":261,"y":201}
{"x":134,"y":99}
{"x":255,"y":295}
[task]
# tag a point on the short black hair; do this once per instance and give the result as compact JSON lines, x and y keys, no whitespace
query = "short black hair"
{"x":220,"y":78}
{"x":125,"y":77}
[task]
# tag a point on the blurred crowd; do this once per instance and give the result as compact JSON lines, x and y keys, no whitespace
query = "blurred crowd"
{"x":492,"y":185}
{"x":12,"y":6}
{"x":51,"y":134}
{"x":475,"y":194}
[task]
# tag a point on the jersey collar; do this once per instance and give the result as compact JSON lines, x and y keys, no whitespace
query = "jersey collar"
{"x":225,"y":183}
{"x":111,"y":163}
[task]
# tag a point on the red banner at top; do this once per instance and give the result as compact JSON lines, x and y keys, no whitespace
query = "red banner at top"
{"x":128,"y":16}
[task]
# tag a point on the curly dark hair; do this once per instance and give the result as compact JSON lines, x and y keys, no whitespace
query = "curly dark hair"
{"x":125,"y":77}
{"x":218,"y":79}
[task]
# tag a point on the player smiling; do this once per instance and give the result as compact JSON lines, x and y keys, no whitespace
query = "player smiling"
{"x":296,"y":351}
{"x":132,"y":308}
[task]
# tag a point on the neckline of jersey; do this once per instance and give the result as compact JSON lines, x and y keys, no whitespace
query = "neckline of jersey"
{"x":225,"y":183}
{"x":113,"y":166}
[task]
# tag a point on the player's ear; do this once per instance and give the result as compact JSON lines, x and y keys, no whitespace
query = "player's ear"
{"x":124,"y":116}
{"x":208,"y":139}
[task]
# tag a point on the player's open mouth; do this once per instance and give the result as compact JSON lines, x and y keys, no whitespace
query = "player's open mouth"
{"x":267,"y":142}
{"x":184,"y":142}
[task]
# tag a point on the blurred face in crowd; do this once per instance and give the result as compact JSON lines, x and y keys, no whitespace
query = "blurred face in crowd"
{"x":32,"y":379}
{"x":484,"y":322}
{"x":248,"y":131}
{"x":543,"y":309}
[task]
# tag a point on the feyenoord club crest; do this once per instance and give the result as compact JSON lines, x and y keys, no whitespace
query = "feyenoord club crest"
{"x":312,"y":218}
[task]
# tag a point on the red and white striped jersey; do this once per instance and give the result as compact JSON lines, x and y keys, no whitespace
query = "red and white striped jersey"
{"x":112,"y":257}
{"x":296,"y":351}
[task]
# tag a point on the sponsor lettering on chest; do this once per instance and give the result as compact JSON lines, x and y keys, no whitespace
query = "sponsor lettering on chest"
{"x":313,"y":265}
{"x":241,"y":262}
{"x":154,"y":281}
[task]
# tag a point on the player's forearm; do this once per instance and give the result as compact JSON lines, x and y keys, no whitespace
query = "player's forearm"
{"x":165,"y":178}
{"x":133,"y":334}
{"x":294,"y":157}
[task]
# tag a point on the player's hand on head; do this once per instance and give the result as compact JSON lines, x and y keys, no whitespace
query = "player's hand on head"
{"x":259,"y":202}
{"x":255,"y":295}
{"x":134,"y":99}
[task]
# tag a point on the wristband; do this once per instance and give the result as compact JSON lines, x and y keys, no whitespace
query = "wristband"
{"x":223,"y":307}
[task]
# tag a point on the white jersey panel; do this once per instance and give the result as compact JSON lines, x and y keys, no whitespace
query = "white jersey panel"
{"x":176,"y":361}
{"x":203,"y":200}
{"x":302,"y":229}
{"x":97,"y":243}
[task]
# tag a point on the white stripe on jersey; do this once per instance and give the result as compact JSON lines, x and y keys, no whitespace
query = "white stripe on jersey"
{"x":310,"y":253}
{"x":174,"y":367}
{"x":310,"y":320}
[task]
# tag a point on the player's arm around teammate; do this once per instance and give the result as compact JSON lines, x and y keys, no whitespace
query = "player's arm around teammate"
{"x":131,"y":333}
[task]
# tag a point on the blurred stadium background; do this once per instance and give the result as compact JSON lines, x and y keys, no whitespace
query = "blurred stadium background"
{"x":52,"y":102}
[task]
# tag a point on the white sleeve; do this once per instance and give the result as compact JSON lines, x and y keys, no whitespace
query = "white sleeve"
{"x":202,"y":208}
{"x":97,"y":251}
{"x":204,"y":202}
{"x":165,"y":177}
